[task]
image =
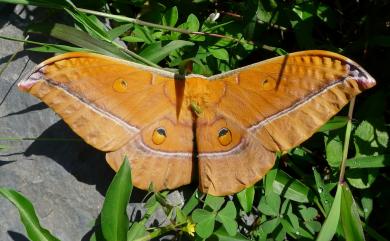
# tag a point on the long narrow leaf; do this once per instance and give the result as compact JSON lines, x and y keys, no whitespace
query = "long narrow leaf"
{"x":330,"y":225}
{"x":350,"y":220}
{"x":82,"y":39}
{"x":369,"y":161}
{"x":114,"y":220}
{"x":28,"y":216}
{"x":155,"y":53}
{"x":291,"y":188}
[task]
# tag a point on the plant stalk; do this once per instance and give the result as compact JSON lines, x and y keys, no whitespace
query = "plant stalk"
{"x":346,"y":141}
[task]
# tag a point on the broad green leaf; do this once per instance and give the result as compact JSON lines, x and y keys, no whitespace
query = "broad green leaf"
{"x":204,"y":222}
{"x":367,"y":205}
{"x":137,"y":230}
{"x":114,"y":220}
{"x":246,"y":197}
{"x":325,"y":197}
{"x":219,"y":53}
{"x":334,"y":148}
{"x":336,"y":122}
{"x":214,"y":202}
{"x":291,"y":188}
{"x":222,"y":235}
{"x":294,"y":221}
{"x":365,"y":131}
{"x":331,"y":222}
{"x":229,"y":211}
{"x":227,"y":217}
{"x":192,"y":23}
{"x":270,"y":204}
{"x":361,"y":178}
{"x":155,"y":52}
{"x":269,"y":179}
{"x":369,"y":161}
{"x":308,"y":213}
{"x":270,"y":225}
{"x":28,"y":216}
{"x":350,"y":220}
{"x":171,"y":16}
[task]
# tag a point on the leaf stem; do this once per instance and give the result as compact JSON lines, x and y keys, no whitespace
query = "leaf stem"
{"x":346,"y":141}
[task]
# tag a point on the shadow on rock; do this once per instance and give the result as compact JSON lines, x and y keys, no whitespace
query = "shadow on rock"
{"x":17,"y":236}
{"x":86,"y":163}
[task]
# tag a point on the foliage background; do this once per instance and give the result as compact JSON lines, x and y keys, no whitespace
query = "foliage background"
{"x":246,"y":32}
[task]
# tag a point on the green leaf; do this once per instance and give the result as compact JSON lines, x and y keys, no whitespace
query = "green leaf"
{"x":133,"y":39}
{"x":331,"y":222}
{"x":308,"y":213}
{"x":137,"y":230}
{"x":322,"y":190}
{"x":246,"y":197}
{"x":367,"y":205}
{"x":269,"y":179}
{"x":180,"y":216}
{"x":369,"y":161}
{"x":227,"y":217}
{"x":365,"y":131}
{"x":91,"y":24}
{"x":57,"y":48}
{"x":214,"y":202}
{"x":155,"y":52}
{"x":222,"y":235}
{"x":334,"y":148}
{"x":270,"y":204}
{"x":270,"y":225}
{"x":28,"y":216}
{"x":114,"y":220}
{"x":83,"y":40}
{"x":171,"y":16}
{"x":350,"y":220}
{"x":291,"y":188}
{"x":191,"y":203}
{"x":204,"y":222}
{"x":335,"y":123}
{"x":192,"y":23}
{"x":118,"y":31}
{"x":144,"y":33}
{"x":361,"y":178}
{"x":219,"y":53}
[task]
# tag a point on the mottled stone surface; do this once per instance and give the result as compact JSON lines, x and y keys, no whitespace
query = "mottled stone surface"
{"x":65,"y":179}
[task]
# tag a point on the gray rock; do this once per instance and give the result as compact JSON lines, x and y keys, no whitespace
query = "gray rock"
{"x":65,"y":179}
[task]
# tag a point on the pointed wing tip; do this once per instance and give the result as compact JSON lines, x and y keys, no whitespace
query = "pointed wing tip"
{"x":364,"y":79}
{"x":25,"y":85}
